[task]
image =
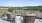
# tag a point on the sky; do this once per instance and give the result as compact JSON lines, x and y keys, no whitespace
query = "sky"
{"x":20,"y":2}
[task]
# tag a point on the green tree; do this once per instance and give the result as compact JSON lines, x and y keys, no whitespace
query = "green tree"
{"x":10,"y":9}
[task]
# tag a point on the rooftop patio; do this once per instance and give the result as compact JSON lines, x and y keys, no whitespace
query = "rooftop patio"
{"x":4,"y":21}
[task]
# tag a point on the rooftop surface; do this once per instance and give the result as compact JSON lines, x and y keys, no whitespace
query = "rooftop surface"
{"x":36,"y":20}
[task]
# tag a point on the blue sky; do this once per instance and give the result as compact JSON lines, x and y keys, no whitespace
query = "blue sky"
{"x":20,"y":2}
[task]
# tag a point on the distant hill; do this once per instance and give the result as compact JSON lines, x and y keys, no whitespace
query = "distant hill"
{"x":27,"y":7}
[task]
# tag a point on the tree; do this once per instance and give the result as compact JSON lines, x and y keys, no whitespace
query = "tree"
{"x":40,"y":10}
{"x":10,"y":9}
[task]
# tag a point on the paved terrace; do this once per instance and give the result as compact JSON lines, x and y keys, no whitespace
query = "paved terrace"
{"x":3,"y":21}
